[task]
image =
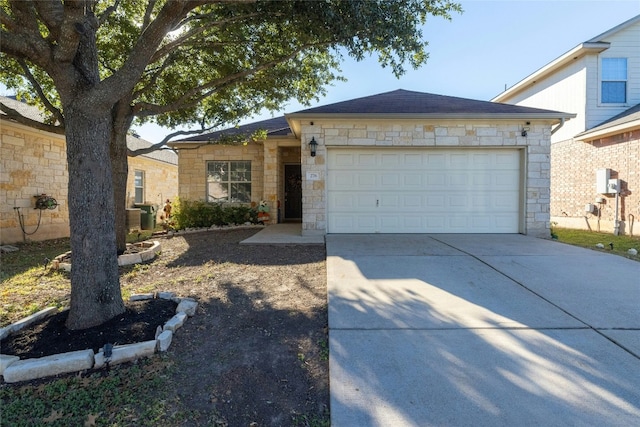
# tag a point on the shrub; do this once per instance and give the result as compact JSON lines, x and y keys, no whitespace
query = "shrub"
{"x":198,"y":214}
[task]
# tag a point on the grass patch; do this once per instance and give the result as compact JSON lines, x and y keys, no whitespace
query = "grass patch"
{"x":28,"y":285}
{"x":125,"y":395}
{"x":589,"y":239}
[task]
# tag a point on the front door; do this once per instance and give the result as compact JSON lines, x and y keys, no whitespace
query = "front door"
{"x":292,"y":192}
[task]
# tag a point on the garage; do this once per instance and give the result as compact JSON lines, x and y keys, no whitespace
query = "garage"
{"x":424,"y":190}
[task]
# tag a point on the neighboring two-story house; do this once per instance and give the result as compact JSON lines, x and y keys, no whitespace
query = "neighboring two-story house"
{"x":595,"y":157}
{"x":34,"y":162}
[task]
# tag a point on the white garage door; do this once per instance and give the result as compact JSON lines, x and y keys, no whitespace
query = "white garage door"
{"x":377,"y":190}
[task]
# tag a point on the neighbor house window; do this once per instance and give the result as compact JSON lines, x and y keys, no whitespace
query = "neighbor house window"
{"x":138,"y":183}
{"x":229,"y":181}
{"x":614,"y":80}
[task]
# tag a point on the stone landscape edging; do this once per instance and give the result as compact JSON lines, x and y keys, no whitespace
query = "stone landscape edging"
{"x":13,"y":369}
{"x":145,"y":255}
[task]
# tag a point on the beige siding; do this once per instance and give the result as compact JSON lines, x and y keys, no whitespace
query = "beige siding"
{"x":624,"y":44}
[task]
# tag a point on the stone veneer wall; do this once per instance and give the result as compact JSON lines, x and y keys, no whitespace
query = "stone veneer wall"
{"x":441,"y":134}
{"x":160,"y":181}
{"x":573,"y":182}
{"x":34,"y":162}
{"x":192,"y":171}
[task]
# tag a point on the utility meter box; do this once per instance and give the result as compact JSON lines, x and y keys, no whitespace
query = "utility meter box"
{"x":602,"y":181}
{"x":614,"y":186}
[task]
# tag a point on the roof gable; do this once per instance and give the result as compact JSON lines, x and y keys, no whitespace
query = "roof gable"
{"x":592,"y":46}
{"x":604,"y":36}
{"x":404,"y":102}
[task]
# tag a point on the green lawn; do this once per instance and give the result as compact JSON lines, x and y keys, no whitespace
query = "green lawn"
{"x":589,"y":239}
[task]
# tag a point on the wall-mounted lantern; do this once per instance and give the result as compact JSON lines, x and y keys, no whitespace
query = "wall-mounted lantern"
{"x":313,"y":146}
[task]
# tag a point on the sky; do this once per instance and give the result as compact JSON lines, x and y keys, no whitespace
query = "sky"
{"x":490,"y":45}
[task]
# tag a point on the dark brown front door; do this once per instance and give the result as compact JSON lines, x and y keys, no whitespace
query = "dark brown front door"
{"x":292,"y":192}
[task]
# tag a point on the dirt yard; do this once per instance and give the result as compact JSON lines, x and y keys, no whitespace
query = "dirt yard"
{"x":256,"y":352}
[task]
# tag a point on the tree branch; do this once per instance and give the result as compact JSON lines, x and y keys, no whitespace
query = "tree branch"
{"x":19,"y":118}
{"x":195,"y":95}
{"x":108,"y":12}
{"x":36,"y":86}
{"x":52,"y":14}
{"x":164,"y":50}
{"x":119,"y":84}
{"x":147,"y":14}
{"x":162,"y":144}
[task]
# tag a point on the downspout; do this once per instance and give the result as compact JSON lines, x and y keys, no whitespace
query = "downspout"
{"x":557,"y":128}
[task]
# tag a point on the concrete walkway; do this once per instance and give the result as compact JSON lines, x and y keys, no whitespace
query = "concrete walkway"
{"x":283,"y":234}
{"x":482,"y":330}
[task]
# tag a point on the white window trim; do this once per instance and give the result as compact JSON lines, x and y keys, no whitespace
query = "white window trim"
{"x":601,"y":103}
{"x":135,"y":187}
{"x":229,"y":162}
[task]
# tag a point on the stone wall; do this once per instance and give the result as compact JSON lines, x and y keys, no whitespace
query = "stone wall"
{"x":160,"y":181}
{"x":442,"y":134}
{"x":34,"y":162}
{"x":193,"y":170}
{"x":573,"y":182}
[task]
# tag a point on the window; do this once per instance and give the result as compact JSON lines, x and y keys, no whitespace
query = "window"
{"x":614,"y":80}
{"x":138,"y":183}
{"x":229,"y":181}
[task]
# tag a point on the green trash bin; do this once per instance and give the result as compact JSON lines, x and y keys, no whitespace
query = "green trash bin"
{"x":147,"y":216}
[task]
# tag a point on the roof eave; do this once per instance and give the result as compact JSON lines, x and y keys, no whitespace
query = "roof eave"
{"x":560,"y":62}
{"x":294,"y":119}
{"x":186,"y":144}
{"x":590,"y":135}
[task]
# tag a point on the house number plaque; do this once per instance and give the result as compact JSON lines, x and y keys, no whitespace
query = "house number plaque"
{"x":313,"y":176}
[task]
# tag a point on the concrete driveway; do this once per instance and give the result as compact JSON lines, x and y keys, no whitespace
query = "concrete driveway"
{"x":482,"y":330}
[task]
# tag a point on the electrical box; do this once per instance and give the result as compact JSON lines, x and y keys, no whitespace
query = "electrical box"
{"x":614,"y":186}
{"x":599,"y":199}
{"x":589,"y":208}
{"x":602,"y":181}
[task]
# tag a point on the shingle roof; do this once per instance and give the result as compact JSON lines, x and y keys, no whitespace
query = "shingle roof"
{"x":28,"y":111}
{"x":629,"y":117}
{"x":276,"y":126}
{"x":405,"y":102}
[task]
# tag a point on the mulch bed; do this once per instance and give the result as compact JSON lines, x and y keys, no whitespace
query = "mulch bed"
{"x":50,"y":336}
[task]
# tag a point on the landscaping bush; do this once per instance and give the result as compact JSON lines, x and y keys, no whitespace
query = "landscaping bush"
{"x":198,"y":214}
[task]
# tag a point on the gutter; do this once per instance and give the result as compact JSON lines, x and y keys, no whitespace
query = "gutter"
{"x":557,"y":128}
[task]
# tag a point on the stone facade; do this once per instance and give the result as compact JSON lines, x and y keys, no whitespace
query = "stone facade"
{"x":573,"y":182}
{"x":441,"y":134}
{"x":267,"y":168}
{"x":33,"y":162}
{"x":161,"y":181}
{"x":192,"y":167}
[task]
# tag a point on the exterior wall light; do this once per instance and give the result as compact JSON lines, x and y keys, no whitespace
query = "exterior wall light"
{"x":313,"y":146}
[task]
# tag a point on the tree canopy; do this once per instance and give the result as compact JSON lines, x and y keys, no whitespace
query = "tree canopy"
{"x":96,"y":66}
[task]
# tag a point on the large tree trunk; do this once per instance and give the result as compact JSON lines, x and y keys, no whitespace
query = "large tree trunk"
{"x":95,"y":285}
{"x":122,"y":118}
{"x":120,"y":169}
